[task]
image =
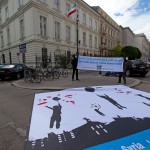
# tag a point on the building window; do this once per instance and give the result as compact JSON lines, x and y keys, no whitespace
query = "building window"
{"x":84,"y":38}
{"x":43,"y":25}
{"x":57,"y":30}
{"x":44,"y":1}
{"x":6,"y":12}
{"x":21,"y":28}
{"x":84,"y":18}
{"x":0,"y":21}
{"x":90,"y":40}
{"x":8,"y":36}
{"x":95,"y":25}
{"x":68,"y":33}
{"x":2,"y":41}
{"x":20,"y":2}
{"x":90,"y":22}
{"x":95,"y":42}
{"x":57,"y":4}
{"x":67,"y":8}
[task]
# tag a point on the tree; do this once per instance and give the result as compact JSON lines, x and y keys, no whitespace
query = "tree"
{"x":116,"y":51}
{"x":139,"y":53}
{"x":130,"y":52}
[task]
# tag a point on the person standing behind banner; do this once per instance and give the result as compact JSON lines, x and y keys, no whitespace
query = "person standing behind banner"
{"x":74,"y":67}
{"x":123,"y":74}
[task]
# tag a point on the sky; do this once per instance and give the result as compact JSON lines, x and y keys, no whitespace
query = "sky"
{"x":134,"y":14}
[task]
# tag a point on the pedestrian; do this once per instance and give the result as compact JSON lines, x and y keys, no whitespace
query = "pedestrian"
{"x":123,"y":73}
{"x":74,"y":67}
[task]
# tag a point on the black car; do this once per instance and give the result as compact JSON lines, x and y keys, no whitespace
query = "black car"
{"x":137,"y":67}
{"x":15,"y":71}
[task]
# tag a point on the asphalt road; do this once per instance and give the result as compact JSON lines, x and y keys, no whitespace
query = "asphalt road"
{"x":15,"y":111}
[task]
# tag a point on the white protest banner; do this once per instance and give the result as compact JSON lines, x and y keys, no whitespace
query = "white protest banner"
{"x":113,"y":64}
{"x":90,"y":118}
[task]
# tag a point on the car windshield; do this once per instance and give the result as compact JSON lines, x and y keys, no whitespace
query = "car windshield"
{"x":8,"y":66}
{"x":138,"y":62}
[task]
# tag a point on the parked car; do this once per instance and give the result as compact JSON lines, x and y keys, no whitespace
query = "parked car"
{"x":15,"y":71}
{"x":138,"y":67}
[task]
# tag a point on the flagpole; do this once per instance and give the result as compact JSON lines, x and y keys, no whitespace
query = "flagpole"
{"x":77,"y":36}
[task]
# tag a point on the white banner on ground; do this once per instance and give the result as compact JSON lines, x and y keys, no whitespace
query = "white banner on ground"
{"x":116,"y":117}
{"x":112,"y":64}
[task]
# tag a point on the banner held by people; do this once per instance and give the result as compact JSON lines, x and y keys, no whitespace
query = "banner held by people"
{"x":113,"y":64}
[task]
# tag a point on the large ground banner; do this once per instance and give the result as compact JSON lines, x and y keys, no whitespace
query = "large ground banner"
{"x":91,"y":118}
{"x":113,"y":64}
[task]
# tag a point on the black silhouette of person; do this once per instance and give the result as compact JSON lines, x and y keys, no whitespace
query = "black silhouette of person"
{"x":96,"y":108}
{"x":144,"y":97}
{"x":56,"y":116}
{"x":111,"y":101}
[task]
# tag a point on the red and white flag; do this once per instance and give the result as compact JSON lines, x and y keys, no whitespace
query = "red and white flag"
{"x":72,"y":10}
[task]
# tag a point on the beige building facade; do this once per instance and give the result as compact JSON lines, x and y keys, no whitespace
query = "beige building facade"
{"x":141,"y":42}
{"x":41,"y":29}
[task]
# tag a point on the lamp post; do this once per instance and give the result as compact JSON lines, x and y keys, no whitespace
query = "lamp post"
{"x":77,"y":36}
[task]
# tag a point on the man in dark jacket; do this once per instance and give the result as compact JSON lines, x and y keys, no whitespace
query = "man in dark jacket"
{"x":74,"y":67}
{"x":123,"y":74}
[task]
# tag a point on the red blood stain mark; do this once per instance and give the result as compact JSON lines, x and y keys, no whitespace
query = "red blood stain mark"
{"x":68,"y":95}
{"x":42,"y":103}
{"x":44,"y":99}
{"x":73,"y":102}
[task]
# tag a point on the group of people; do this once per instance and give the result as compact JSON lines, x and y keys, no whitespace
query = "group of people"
{"x":75,"y":70}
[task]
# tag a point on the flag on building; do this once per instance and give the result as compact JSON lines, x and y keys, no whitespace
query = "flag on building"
{"x":72,"y":10}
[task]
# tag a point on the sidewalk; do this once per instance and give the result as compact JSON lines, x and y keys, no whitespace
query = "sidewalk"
{"x":86,"y":79}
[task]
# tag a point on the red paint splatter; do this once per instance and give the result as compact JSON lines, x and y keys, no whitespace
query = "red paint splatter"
{"x":68,"y":95}
{"x":73,"y":102}
{"x":42,"y":103}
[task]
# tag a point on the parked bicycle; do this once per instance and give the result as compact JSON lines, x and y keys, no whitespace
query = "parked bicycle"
{"x":43,"y":73}
{"x":32,"y":75}
{"x":62,"y":71}
{"x":52,"y":72}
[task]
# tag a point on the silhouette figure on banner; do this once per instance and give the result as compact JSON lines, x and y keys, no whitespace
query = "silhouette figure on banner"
{"x":96,"y":108}
{"x":111,"y":101}
{"x":56,"y":116}
{"x":144,"y":97}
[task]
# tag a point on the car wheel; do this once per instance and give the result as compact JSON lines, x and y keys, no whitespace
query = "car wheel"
{"x":128,"y":73}
{"x":18,"y":76}
{"x":2,"y":78}
{"x":143,"y":74}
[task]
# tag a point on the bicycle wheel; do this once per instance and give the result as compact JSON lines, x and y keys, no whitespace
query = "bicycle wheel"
{"x":27,"y":77}
{"x":65,"y":73}
{"x":48,"y":75}
{"x":56,"y":74}
{"x":37,"y":78}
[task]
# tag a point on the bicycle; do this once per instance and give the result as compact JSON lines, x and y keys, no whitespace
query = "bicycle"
{"x":44,"y":74}
{"x":52,"y":72}
{"x":62,"y":71}
{"x":32,"y":75}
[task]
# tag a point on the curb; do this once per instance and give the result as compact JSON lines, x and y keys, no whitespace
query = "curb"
{"x":15,"y":83}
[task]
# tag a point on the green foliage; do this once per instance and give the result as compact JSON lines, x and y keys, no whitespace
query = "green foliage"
{"x":139,"y":53}
{"x":63,"y":61}
{"x":131,"y":52}
{"x":116,"y":51}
